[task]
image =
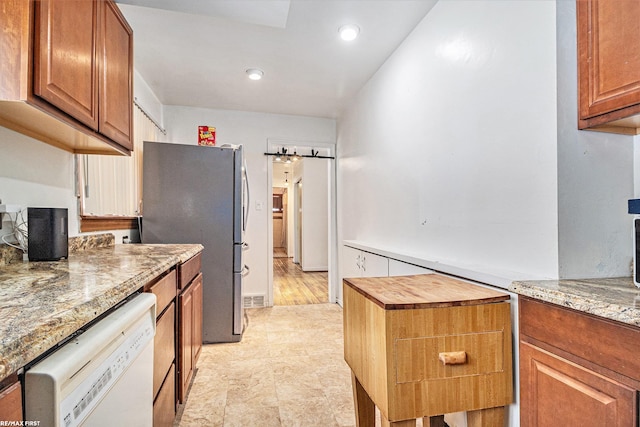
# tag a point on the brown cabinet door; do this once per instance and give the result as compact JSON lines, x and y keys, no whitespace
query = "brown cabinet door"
{"x":197,"y":319}
{"x":65,"y":61}
{"x":609,"y":55}
{"x":185,"y":342}
{"x":116,"y":76}
{"x":557,"y":392}
{"x":11,"y":403}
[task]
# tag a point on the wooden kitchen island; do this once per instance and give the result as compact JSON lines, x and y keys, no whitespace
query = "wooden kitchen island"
{"x":427,"y":345}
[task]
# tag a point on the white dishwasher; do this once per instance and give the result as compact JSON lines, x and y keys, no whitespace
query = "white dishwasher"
{"x":102,"y":377}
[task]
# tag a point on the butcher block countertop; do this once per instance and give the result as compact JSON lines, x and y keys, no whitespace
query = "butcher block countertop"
{"x":612,"y":298}
{"x":42,"y":303}
{"x":423,"y":291}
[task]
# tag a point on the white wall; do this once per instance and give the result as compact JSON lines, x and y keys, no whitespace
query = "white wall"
{"x":449,"y":151}
{"x":251,"y":130}
{"x":35,"y":174}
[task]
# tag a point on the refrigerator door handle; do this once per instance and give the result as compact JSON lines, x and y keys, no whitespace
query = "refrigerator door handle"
{"x":245,"y":271}
{"x":247,"y":202}
{"x":245,"y":246}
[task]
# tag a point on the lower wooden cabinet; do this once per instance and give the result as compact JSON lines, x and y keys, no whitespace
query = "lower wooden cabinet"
{"x":11,"y":403}
{"x":189,"y":334}
{"x":563,"y":393}
{"x":165,"y":289}
{"x":197,"y":320}
{"x":164,"y":405}
{"x":164,"y":353}
{"x":576,"y":369}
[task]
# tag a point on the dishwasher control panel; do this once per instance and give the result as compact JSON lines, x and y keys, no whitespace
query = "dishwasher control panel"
{"x":81,"y":401}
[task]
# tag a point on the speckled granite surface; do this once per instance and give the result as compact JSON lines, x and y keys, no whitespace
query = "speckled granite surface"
{"x":615,"y":299}
{"x":90,"y":241}
{"x":41,"y":303}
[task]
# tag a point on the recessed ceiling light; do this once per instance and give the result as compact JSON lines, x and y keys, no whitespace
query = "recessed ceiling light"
{"x":349,"y":32}
{"x":255,"y":73}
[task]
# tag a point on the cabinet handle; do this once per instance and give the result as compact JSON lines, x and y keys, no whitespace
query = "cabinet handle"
{"x":453,"y":358}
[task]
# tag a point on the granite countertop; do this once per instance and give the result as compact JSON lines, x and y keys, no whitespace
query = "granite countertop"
{"x":42,"y":303}
{"x":615,"y":299}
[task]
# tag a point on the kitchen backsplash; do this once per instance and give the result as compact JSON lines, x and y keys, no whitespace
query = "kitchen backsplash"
{"x":91,"y":241}
{"x":9,"y":254}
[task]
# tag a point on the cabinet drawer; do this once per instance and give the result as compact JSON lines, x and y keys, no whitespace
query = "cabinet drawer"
{"x":164,"y":407}
{"x":189,"y":269}
{"x":417,"y":358}
{"x":163,"y":347}
{"x":165,"y":291}
{"x":594,"y":339}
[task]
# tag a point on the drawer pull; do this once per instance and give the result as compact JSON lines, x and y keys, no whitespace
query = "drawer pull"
{"x":453,"y":358}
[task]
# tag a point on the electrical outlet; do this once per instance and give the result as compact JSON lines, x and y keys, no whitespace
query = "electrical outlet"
{"x":7,"y":209}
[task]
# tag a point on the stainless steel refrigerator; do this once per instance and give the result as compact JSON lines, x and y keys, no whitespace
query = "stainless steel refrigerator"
{"x":199,"y":194}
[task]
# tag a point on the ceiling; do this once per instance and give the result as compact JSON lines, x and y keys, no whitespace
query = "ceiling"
{"x":195,"y":52}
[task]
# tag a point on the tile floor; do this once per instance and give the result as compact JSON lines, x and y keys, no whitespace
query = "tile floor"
{"x":288,"y":370}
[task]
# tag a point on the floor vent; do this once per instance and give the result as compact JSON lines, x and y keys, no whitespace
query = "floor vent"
{"x":254,"y":301}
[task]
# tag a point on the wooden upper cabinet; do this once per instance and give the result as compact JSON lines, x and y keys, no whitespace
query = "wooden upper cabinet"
{"x":609,"y":65}
{"x":65,"y":60}
{"x":83,"y":64}
{"x":116,"y":77}
{"x":66,"y":74}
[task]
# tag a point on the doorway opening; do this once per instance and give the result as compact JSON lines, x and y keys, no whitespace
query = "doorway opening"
{"x":301,"y":227}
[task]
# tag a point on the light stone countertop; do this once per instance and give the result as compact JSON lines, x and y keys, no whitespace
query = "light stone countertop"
{"x":615,"y":298}
{"x":42,"y":303}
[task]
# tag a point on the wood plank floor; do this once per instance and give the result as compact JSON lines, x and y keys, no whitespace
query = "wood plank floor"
{"x":292,"y":286}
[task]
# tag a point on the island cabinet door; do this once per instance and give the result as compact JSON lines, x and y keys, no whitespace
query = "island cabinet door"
{"x":557,"y":392}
